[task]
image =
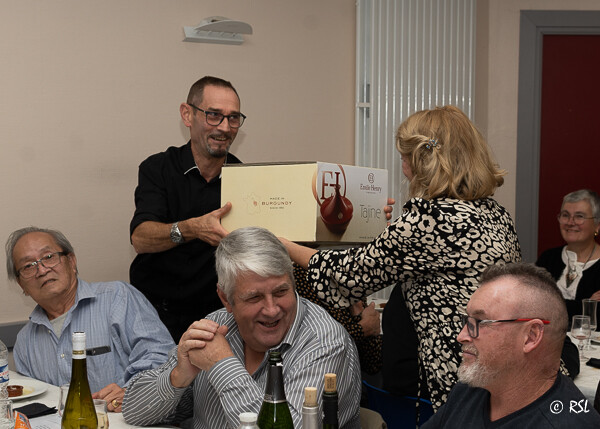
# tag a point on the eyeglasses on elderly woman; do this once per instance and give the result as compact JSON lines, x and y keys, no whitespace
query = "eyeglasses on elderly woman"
{"x":578,"y":218}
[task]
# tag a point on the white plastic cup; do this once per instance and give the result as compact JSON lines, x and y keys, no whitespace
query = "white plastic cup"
{"x":7,"y":417}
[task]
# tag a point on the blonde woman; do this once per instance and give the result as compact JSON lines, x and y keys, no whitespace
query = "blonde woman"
{"x":448,"y":233}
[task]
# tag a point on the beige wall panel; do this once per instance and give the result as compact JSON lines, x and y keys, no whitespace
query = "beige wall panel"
{"x":89,"y":89}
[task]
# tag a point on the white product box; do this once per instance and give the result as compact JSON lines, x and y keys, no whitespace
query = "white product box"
{"x":299,"y":201}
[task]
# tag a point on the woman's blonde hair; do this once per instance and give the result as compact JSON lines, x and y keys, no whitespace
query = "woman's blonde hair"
{"x":448,"y":156}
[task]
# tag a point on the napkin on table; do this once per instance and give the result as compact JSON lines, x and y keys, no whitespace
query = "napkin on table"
{"x":35,"y":409}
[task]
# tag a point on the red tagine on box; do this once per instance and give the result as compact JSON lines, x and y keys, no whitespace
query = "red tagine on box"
{"x":336,"y":212}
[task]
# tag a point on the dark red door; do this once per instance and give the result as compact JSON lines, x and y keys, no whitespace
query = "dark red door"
{"x":570,"y":126}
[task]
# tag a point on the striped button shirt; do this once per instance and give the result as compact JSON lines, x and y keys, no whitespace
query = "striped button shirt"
{"x":314,"y":345}
{"x":123,"y":335}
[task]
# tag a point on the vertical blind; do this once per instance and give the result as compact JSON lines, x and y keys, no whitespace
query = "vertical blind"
{"x":411,"y":55}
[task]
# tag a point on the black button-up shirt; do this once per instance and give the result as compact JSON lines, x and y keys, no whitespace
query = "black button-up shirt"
{"x":171,"y":189}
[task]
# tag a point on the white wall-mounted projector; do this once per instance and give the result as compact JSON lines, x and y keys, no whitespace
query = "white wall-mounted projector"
{"x":217,"y":29}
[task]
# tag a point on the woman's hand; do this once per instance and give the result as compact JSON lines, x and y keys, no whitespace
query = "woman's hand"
{"x":389,"y":209}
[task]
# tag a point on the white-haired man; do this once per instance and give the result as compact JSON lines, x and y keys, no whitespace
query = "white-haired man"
{"x":219,"y":369}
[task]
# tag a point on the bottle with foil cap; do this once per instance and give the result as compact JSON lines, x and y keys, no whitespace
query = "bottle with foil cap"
{"x":330,"y":402}
{"x":79,"y":412}
{"x":275,"y":412}
{"x":310,"y":409}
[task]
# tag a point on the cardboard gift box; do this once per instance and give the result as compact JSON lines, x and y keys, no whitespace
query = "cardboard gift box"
{"x":307,"y":201}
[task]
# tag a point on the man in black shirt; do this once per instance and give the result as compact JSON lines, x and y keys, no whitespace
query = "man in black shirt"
{"x":513,"y":334}
{"x":176,"y":224}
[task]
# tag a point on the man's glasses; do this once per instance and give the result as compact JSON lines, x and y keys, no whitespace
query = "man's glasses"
{"x":473,"y":323}
{"x":49,"y":261}
{"x":235,"y":120}
{"x":578,"y":218}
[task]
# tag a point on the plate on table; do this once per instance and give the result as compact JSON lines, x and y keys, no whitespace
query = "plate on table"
{"x":31,"y":388}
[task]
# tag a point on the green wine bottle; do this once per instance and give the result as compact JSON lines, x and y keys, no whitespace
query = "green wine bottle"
{"x":330,"y":403}
{"x":79,"y":412}
{"x":274,"y":412}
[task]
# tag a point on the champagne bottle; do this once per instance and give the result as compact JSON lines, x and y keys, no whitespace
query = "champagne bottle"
{"x":330,"y":403}
{"x":310,"y":409}
{"x":79,"y":412}
{"x":274,"y":412}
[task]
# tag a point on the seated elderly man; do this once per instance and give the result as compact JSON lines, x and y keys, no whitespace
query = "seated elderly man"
{"x":219,"y":369}
{"x":509,"y":377}
{"x":124,"y":333}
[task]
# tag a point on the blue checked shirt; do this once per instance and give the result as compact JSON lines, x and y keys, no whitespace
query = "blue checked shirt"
{"x":314,"y":345}
{"x":115,"y":316}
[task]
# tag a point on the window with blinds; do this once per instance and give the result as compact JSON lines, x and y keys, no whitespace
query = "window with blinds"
{"x":411,"y":55}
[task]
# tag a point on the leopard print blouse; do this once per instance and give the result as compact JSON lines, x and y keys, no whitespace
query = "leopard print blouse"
{"x":369,"y":347}
{"x":436,"y":251}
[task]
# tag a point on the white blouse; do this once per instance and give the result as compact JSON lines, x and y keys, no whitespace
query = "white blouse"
{"x":570,"y":260}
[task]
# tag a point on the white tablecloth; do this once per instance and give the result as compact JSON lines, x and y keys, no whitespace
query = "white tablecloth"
{"x":589,"y":377}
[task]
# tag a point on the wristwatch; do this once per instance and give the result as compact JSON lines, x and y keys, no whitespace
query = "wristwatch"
{"x":176,"y":236}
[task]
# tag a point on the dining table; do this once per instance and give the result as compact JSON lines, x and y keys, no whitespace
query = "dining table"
{"x":36,"y":391}
{"x":588,"y":378}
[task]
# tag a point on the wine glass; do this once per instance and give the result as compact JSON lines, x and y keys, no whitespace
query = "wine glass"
{"x":62,"y":398}
{"x":589,"y":309}
{"x":102,"y":413}
{"x":580,"y":329}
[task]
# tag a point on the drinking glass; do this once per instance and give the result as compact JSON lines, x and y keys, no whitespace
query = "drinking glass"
{"x":62,"y":398}
{"x":101,"y":413}
{"x":7,"y":417}
{"x":589,"y":309}
{"x":580,"y":329}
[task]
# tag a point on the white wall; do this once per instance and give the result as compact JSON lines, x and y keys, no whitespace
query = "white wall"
{"x":497,"y":77}
{"x":88,"y":89}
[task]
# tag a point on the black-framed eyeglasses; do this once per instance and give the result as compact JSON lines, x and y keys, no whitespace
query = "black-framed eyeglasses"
{"x":235,"y":120}
{"x":49,"y":261}
{"x":473,"y":323}
{"x":578,"y":218}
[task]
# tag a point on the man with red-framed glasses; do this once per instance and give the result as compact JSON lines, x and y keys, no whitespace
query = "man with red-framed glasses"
{"x":513,"y":334}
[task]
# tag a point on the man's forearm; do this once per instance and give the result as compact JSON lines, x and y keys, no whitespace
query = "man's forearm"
{"x":150,"y":398}
{"x":237,"y":390}
{"x":152,"y":237}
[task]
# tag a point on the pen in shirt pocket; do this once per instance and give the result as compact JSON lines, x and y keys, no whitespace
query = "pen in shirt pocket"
{"x":97,"y":351}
